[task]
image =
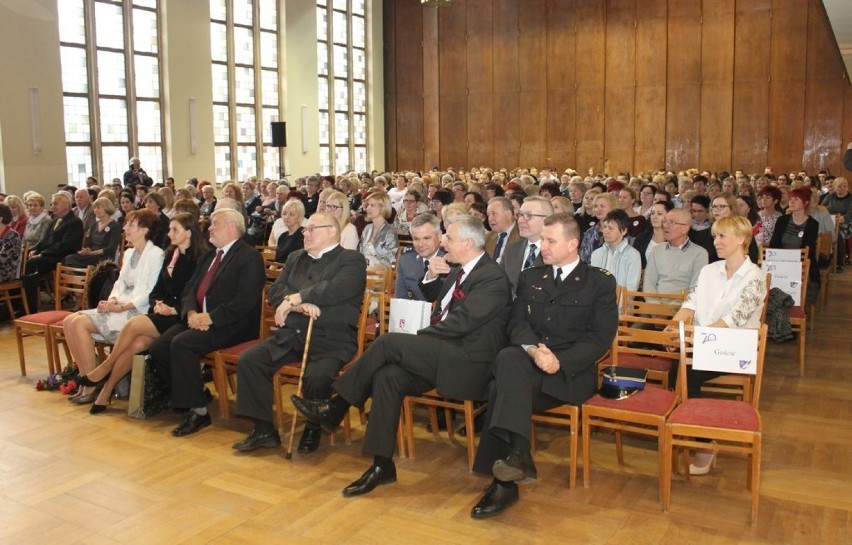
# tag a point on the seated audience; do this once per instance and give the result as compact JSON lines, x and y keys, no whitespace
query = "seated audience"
{"x":674,"y":266}
{"x":128,"y":298}
{"x":38,"y":219}
{"x":413,"y":264}
{"x":616,"y":255}
{"x":593,"y":238}
{"x":378,"y":241}
{"x":798,"y":230}
{"x":550,"y":359}
{"x":103,"y":240}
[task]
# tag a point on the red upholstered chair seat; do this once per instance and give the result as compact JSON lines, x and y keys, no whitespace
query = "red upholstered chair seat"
{"x":716,"y":413}
{"x":796,"y":312}
{"x":237,"y":350}
{"x":44,"y":318}
{"x":648,"y":401}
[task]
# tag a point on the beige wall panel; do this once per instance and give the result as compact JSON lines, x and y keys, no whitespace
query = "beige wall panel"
{"x":717,"y":76}
{"x":619,"y":113}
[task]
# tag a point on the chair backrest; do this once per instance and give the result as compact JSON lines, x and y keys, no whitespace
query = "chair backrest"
{"x":687,"y":333}
{"x":24,"y":257}
{"x":71,"y":281}
{"x":267,"y":316}
{"x":645,"y":337}
{"x":761,"y":253}
{"x":374,"y":292}
{"x":766,"y":298}
{"x":654,"y":305}
{"x":122,"y":247}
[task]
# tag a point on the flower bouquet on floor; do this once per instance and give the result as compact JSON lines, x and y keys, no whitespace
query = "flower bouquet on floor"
{"x":65,"y":381}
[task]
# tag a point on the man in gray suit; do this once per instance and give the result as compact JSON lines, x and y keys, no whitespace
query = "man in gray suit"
{"x":413,"y":264}
{"x":326,"y":282}
{"x":526,"y":252}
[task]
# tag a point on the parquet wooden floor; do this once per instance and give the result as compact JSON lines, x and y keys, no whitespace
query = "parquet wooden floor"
{"x":67,"y":477}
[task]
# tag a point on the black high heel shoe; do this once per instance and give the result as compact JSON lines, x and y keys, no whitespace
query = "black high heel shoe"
{"x":97,"y":409}
{"x":84,"y":380}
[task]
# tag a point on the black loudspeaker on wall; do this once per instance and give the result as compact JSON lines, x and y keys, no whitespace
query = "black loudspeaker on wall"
{"x":279,"y":134}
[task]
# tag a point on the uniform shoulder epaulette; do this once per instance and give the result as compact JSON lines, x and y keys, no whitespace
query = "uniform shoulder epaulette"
{"x":600,"y":270}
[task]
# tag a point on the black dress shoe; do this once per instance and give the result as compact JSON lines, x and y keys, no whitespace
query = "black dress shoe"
{"x":321,"y":412}
{"x":371,"y":478}
{"x":497,"y":498}
{"x":310,"y":440}
{"x":518,"y":468}
{"x":192,"y":423}
{"x":256,"y":440}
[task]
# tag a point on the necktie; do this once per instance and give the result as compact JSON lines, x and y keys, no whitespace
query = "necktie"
{"x":201,"y":293}
{"x":56,"y":225}
{"x":557,"y":279}
{"x":531,"y":257}
{"x":498,"y":250}
{"x":440,"y":316}
{"x":425,"y":266}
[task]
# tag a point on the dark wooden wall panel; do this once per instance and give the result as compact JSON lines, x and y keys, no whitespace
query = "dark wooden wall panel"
{"x":389,"y":19}
{"x":787,"y":84}
{"x":480,"y":81}
{"x":751,"y":87}
{"x":591,"y":83}
{"x":452,"y":57}
{"x":717,"y":76}
{"x":847,"y":132}
{"x":532,"y":55}
{"x":620,"y":95}
{"x":650,"y":130}
{"x":561,"y":97}
{"x":683,"y":99}
{"x":409,"y":136}
{"x":717,"y":84}
{"x":824,"y":91}
{"x":431,"y":91}
{"x":506,"y":114}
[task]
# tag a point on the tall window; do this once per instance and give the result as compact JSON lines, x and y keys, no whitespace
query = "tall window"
{"x":342,"y":58}
{"x":244,"y":40}
{"x":110,"y":54}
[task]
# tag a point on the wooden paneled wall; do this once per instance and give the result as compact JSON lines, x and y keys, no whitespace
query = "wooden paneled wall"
{"x":623,"y":85}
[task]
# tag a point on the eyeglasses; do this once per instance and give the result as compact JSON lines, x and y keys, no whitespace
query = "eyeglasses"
{"x":672,"y":222}
{"x":529,"y":215}
{"x":311,"y":228}
{"x":719,"y":206}
{"x":333,"y":207}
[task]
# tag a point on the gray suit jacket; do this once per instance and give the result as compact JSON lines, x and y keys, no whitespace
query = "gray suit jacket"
{"x":513,"y":260}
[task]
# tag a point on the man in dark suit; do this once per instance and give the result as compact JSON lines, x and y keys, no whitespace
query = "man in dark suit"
{"x":412,"y":265}
{"x":526,"y":251}
{"x":501,"y":219}
{"x":323,"y":281}
{"x":564,"y":318}
{"x":453,"y":355}
{"x":221,"y":307}
{"x":64,"y":236}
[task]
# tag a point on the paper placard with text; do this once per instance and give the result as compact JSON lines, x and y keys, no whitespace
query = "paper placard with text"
{"x":786,"y":275}
{"x":725,"y":350}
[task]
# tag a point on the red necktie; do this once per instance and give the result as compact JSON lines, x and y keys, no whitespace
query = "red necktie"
{"x":440,"y":316}
{"x":201,"y":293}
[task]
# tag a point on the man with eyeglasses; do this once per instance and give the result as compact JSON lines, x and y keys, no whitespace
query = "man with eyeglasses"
{"x":674,"y":266}
{"x":413,"y":264}
{"x":325,"y":282}
{"x":526,"y":252}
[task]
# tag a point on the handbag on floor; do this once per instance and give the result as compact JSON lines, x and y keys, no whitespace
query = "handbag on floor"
{"x":148,"y":394}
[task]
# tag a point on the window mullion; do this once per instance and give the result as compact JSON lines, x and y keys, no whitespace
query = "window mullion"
{"x":351,"y":92}
{"x":258,"y":97}
{"x":232,"y":87}
{"x":130,"y":73}
{"x":332,"y":118}
{"x":94,"y":93}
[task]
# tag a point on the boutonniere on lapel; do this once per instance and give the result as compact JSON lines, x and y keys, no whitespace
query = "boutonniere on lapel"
{"x":458,"y":295}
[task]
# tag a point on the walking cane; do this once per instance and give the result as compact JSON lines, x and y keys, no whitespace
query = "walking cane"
{"x":289,"y":453}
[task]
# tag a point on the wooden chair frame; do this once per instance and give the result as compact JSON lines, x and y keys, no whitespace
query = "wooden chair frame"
{"x":798,"y":316}
{"x":67,"y":281}
{"x":566,"y":416}
{"x":630,"y":415}
{"x":740,"y":439}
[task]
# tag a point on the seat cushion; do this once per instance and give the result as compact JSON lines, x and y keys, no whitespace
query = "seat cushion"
{"x":717,"y":413}
{"x":796,"y":312}
{"x":44,"y":318}
{"x":238,"y":349}
{"x":638,"y":361}
{"x":648,"y":401}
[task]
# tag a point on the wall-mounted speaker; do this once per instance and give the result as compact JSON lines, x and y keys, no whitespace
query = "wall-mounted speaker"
{"x":279,"y":134}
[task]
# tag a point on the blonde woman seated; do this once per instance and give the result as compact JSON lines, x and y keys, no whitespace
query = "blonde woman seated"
{"x":378,"y":241}
{"x":128,"y":298}
{"x":337,"y":205}
{"x":729,"y":293}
